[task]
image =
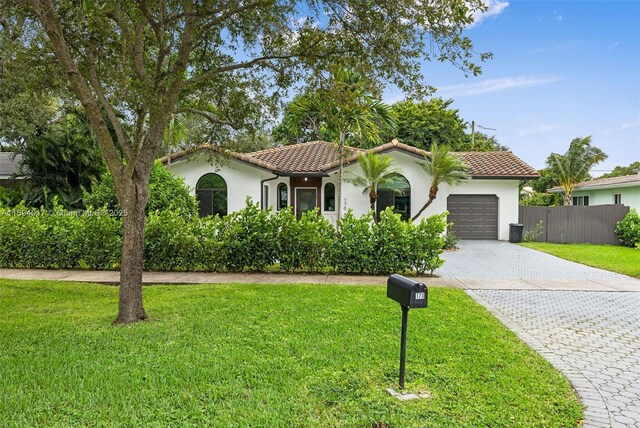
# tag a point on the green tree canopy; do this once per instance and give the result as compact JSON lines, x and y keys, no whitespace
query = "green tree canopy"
{"x":421,"y":124}
{"x":619,"y":171}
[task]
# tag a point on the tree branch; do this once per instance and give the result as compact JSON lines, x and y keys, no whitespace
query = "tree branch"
{"x":264,"y":61}
{"x":209,"y":116}
{"x":108,"y":108}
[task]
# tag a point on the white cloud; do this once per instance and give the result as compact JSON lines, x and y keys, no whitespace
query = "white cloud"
{"x":495,"y":85}
{"x":557,"y":16}
{"x":544,"y":127}
{"x":633,"y":124}
{"x":494,"y":8}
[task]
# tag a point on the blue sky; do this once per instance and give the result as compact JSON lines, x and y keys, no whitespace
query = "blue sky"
{"x":561,"y":69}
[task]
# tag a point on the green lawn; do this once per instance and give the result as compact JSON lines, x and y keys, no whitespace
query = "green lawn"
{"x":265,"y":356}
{"x":623,"y":260}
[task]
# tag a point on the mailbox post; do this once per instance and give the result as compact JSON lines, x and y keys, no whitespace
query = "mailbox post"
{"x":410,"y":294}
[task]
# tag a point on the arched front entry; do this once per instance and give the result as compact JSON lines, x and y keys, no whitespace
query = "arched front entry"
{"x":211,"y":192}
{"x":396,"y":195}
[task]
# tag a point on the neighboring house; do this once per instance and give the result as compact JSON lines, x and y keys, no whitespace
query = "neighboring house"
{"x":9,"y":167}
{"x":623,"y":190}
{"x":305,"y":177}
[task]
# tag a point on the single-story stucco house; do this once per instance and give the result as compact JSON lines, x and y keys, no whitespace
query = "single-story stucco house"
{"x":624,"y":190}
{"x":305,"y":177}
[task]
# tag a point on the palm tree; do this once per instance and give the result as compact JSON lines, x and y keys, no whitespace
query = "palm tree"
{"x":376,"y":170}
{"x":442,"y":167}
{"x":344,"y":109}
{"x":573,"y":167}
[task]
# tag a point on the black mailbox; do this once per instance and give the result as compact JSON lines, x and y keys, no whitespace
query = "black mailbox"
{"x":407,"y":292}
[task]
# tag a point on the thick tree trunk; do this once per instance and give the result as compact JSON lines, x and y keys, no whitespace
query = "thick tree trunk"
{"x":130,"y":308}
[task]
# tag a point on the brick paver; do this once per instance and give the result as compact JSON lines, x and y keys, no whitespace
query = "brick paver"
{"x":592,"y":337}
{"x":502,"y":260}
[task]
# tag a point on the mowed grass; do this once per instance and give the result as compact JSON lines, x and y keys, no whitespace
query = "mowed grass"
{"x":265,"y":356}
{"x":614,"y":258}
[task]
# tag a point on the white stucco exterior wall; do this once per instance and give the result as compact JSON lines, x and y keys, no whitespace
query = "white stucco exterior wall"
{"x":244,"y":180}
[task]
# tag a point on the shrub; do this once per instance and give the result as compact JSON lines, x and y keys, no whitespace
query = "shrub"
{"x":450,"y":238}
{"x":628,"y":229}
{"x":167,"y":192}
{"x":389,"y":249}
{"x":248,"y":239}
{"x":541,"y":199}
{"x":170,"y":242}
{"x":426,"y":242}
{"x":352,"y":250}
{"x":303,"y":244}
{"x":533,"y":234}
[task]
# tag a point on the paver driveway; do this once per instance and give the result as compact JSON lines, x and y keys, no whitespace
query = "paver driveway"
{"x":502,"y":260}
{"x":592,"y":337}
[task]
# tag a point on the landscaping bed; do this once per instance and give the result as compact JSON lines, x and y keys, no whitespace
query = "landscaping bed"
{"x":265,"y":355}
{"x":613,"y":258}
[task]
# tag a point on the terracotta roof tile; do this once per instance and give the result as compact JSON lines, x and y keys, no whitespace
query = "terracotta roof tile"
{"x":496,"y":164}
{"x":302,"y":158}
{"x":320,"y":157}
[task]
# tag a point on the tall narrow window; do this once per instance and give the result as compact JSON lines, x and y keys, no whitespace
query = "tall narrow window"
{"x":211,"y":192}
{"x":265,"y":197}
{"x":283,"y":196}
{"x":329,"y":197}
{"x":617,"y":198}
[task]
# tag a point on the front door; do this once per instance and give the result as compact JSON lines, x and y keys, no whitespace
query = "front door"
{"x":305,"y":201}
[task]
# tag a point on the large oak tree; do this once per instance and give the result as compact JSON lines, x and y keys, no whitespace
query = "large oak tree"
{"x":133,"y":65}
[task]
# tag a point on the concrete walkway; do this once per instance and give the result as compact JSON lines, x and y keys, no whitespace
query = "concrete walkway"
{"x":149,"y":278}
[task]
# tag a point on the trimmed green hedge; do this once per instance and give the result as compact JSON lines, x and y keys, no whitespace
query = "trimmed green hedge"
{"x":248,"y":240}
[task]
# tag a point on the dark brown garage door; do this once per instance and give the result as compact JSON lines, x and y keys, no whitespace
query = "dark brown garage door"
{"x":474,"y":216}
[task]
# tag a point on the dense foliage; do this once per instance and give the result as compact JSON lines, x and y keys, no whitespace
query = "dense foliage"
{"x":247,"y":240}
{"x":60,"y":162}
{"x":619,"y":171}
{"x":420,"y":124}
{"x":541,"y":199}
{"x":166,"y":192}
{"x":628,"y":229}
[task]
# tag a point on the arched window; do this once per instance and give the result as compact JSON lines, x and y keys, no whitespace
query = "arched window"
{"x":283,"y":196}
{"x":329,"y":197}
{"x":211,"y":192}
{"x":397,"y":195}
